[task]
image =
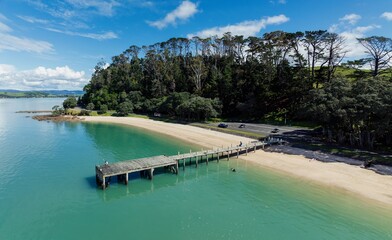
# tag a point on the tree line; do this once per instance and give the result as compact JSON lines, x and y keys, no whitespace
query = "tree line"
{"x":279,"y":74}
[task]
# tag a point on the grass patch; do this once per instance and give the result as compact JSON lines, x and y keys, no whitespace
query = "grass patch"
{"x":229,"y":131}
{"x":138,"y":116}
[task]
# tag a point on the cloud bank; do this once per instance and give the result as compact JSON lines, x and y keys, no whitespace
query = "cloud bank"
{"x":40,"y":78}
{"x":245,"y":28}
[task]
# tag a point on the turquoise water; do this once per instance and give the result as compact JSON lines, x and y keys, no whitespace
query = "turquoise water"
{"x":48,"y":191}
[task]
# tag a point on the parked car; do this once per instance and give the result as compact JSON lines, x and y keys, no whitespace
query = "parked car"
{"x":275,"y":130}
{"x":223,"y":125}
{"x":241,"y":126}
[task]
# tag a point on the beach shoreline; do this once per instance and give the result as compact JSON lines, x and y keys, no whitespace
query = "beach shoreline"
{"x":353,"y":179}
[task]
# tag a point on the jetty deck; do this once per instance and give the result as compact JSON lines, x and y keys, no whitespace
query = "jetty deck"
{"x":123,"y":168}
{"x":146,"y":166}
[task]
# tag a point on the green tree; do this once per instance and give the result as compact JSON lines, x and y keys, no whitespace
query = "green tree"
{"x":70,"y":102}
{"x":90,"y":106}
{"x":103,"y":109}
{"x":57,"y":110}
{"x":379,"y":50}
{"x":124,"y":108}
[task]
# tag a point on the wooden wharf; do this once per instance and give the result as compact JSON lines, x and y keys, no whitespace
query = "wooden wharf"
{"x":146,"y":166}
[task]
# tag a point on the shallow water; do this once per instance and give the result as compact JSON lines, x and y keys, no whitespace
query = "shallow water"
{"x":48,"y":191}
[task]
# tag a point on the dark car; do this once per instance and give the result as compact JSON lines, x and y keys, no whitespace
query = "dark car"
{"x":275,"y":130}
{"x":241,"y":126}
{"x":223,"y":125}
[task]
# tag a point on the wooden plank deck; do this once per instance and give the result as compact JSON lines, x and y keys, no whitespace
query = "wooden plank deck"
{"x":143,"y":165}
{"x":134,"y":165}
{"x":123,"y":168}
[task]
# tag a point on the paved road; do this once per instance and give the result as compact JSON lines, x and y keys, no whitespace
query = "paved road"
{"x":265,"y":129}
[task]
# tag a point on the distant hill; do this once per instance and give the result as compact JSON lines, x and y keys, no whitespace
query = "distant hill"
{"x":11,"y":93}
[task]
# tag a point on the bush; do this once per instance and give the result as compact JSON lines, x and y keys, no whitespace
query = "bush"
{"x":103,"y":109}
{"x":57,"y":110}
{"x":90,"y":106}
{"x":84,"y":113}
{"x":199,"y":108}
{"x":70,"y":102}
{"x":124,"y":108}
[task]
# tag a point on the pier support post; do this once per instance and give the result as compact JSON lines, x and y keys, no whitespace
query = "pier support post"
{"x":238,"y":152}
{"x":183,"y":164}
{"x":207,"y":159}
{"x":151,"y":173}
{"x":254,"y":148}
{"x":126,"y":179}
{"x":197,"y":164}
{"x":218,"y":156}
{"x":177,"y":168}
{"x":246,"y":151}
{"x":103,"y":183}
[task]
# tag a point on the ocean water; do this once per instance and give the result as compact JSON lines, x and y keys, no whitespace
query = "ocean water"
{"x":48,"y":190}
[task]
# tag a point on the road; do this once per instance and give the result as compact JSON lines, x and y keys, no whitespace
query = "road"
{"x":264,"y":129}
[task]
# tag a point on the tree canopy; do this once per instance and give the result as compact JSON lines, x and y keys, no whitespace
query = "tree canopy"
{"x":280,"y":73}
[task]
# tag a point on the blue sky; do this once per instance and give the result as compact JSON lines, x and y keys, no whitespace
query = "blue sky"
{"x":55,"y":44}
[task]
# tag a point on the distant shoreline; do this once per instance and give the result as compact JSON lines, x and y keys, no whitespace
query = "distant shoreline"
{"x":362,"y":182}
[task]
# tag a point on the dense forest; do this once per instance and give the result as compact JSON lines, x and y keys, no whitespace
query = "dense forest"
{"x":293,"y":75}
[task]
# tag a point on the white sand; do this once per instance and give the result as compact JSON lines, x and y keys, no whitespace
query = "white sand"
{"x":365,"y":183}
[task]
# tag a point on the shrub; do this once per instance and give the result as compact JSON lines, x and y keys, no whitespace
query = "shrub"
{"x":70,"y":102}
{"x":124,"y":108}
{"x":103,"y":109}
{"x":90,"y":106}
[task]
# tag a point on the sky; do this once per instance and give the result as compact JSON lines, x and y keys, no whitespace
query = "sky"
{"x":55,"y":44}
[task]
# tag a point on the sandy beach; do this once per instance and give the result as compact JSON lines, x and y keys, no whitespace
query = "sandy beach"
{"x":365,"y":183}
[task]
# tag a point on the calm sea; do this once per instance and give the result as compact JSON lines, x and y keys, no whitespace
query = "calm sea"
{"x":48,"y":191}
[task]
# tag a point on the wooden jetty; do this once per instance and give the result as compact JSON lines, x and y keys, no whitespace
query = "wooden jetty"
{"x":146,"y":166}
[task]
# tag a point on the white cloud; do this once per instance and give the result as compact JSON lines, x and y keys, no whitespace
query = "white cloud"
{"x":6,"y":68}
{"x":4,"y":28}
{"x":2,"y":17}
{"x":184,"y":11}
{"x":351,"y":18}
{"x":354,"y":48}
{"x":96,"y":36}
{"x":246,"y":28}
{"x":19,"y":44}
{"x":40,"y":78}
{"x":387,"y":16}
{"x":33,"y":19}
